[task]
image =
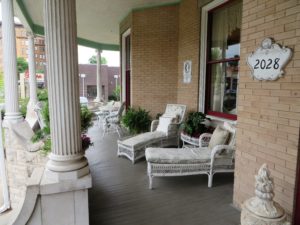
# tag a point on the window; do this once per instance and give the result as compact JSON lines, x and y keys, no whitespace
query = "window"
{"x":223,"y":55}
{"x":92,"y":91}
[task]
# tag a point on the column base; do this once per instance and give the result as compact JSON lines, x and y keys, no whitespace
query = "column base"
{"x":12,"y":118}
{"x":67,"y":167}
{"x":97,"y":99}
{"x":71,"y":175}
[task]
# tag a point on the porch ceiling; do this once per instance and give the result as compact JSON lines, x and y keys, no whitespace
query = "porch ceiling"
{"x":97,"y":20}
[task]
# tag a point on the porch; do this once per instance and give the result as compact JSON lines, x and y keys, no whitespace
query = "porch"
{"x":120,"y":193}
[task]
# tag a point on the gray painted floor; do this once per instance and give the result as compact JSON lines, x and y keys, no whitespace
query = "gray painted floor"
{"x":120,"y":194}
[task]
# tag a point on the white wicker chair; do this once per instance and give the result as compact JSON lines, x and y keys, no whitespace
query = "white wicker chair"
{"x":134,"y":148}
{"x":104,"y":111}
{"x":112,"y":121}
{"x":163,"y":162}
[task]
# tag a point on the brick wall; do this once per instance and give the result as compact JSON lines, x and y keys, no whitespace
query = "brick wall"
{"x":154,"y":57}
{"x":269,"y":111}
{"x":188,"y":49}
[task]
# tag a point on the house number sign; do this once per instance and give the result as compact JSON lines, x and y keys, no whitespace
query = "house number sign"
{"x":268,"y":61}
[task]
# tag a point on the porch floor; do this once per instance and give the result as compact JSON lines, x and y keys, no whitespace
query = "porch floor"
{"x":120,"y":194}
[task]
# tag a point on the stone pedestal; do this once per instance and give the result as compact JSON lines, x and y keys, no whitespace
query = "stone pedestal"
{"x":50,"y":201}
{"x":261,"y":209}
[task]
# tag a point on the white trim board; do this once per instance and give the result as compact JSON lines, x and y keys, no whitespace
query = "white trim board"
{"x":203,"y":48}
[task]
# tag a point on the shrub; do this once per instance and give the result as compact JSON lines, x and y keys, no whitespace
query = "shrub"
{"x":47,"y":146}
{"x":86,"y":119}
{"x":194,"y":124}
{"x":23,"y":106}
{"x":112,"y":98}
{"x":42,"y":95}
{"x":136,"y":120}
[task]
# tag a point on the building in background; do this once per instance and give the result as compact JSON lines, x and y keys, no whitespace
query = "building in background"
{"x":88,"y":84}
{"x":22,"y":47}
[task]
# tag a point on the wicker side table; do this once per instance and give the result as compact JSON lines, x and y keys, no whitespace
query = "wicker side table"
{"x":188,"y":141}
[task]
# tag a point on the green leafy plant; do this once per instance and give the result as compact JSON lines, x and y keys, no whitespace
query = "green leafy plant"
{"x":23,"y":106}
{"x":86,"y":119}
{"x":194,"y":124}
{"x":136,"y":120}
{"x":86,"y":122}
{"x":47,"y":146}
{"x":42,"y":95}
{"x":22,"y":64}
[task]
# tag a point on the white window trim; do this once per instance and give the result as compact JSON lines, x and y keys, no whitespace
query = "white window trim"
{"x":124,"y":35}
{"x":203,"y":50}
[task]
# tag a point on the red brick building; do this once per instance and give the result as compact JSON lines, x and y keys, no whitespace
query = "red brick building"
{"x":108,"y":81}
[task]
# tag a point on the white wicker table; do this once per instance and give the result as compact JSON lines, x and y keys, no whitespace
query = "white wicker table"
{"x":188,"y":141}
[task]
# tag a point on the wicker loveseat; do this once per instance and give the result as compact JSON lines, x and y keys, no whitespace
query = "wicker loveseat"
{"x":164,"y":132}
{"x":193,"y":161}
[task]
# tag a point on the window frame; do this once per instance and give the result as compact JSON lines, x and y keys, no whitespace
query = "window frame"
{"x":204,"y":81}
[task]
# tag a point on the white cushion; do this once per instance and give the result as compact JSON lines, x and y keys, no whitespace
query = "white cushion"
{"x":143,"y":139}
{"x":219,"y":137}
{"x":164,"y":123}
{"x":178,"y":155}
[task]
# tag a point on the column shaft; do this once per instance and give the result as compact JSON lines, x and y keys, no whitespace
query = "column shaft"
{"x":32,"y":72}
{"x":63,"y":86}
{"x":10,"y":63}
{"x":99,"y":86}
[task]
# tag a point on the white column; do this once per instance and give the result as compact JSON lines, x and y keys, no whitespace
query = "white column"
{"x":66,"y":159}
{"x":32,"y":72}
{"x":99,"y":86}
{"x":12,"y":113}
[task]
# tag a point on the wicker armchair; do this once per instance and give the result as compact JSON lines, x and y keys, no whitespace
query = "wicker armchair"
{"x":112,"y":121}
{"x":163,"y":132}
{"x":193,"y":161}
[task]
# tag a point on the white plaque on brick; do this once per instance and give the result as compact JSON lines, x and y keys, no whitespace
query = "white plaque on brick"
{"x":268,"y":61}
{"x":187,"y":71}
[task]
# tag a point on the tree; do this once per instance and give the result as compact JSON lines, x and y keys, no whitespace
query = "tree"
{"x":22,"y":65}
{"x":93,"y":60}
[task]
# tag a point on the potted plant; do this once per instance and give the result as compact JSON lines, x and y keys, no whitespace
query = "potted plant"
{"x":193,"y":127}
{"x":136,"y":120}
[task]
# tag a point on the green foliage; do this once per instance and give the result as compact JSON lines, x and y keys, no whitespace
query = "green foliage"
{"x":22,"y":65}
{"x":117,"y":92}
{"x":23,"y":106}
{"x":86,"y":119}
{"x":40,"y":71}
{"x":42,"y":95}
{"x":1,"y":84}
{"x":194,"y":124}
{"x":47,"y":146}
{"x":93,"y":60}
{"x":39,"y":135}
{"x":86,"y":122}
{"x":112,"y":98}
{"x":45,"y":114}
{"x":136,"y":120}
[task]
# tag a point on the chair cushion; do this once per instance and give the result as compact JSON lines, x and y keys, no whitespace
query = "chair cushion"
{"x":143,"y":139}
{"x":164,"y":123}
{"x":219,"y":137}
{"x":178,"y":155}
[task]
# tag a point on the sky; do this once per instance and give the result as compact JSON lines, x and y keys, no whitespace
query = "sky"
{"x":84,"y":53}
